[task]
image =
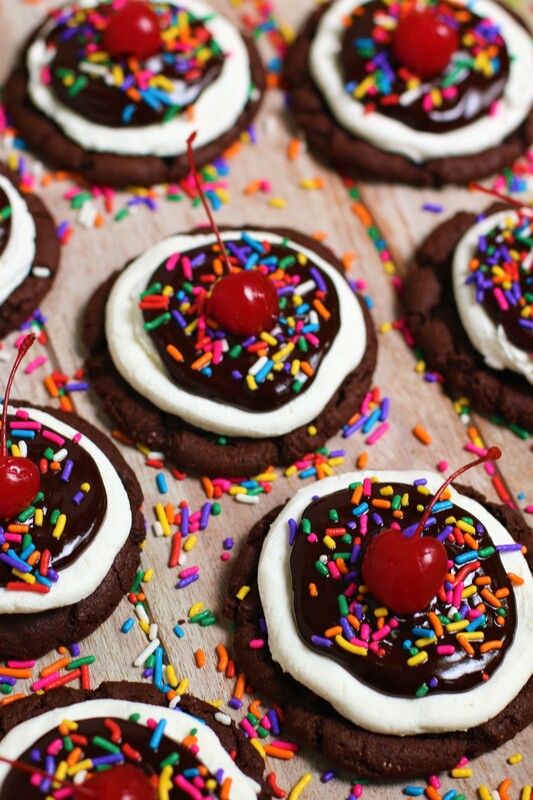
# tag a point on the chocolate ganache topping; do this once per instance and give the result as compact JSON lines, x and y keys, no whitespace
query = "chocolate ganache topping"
{"x":260,"y":372}
{"x":472,"y":82}
{"x":63,"y":518}
{"x":108,"y":742}
{"x":453,"y":645}
{"x":124,"y":92}
{"x":502,"y":274}
{"x":5,"y":220}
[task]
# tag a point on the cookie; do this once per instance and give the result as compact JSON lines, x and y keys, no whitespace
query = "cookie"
{"x":366,"y":108}
{"x":123,"y":118}
{"x":473,"y":327}
{"x":85,"y":523}
{"x":212,"y":755}
{"x":223,"y":400}
{"x":29,"y":252}
{"x":387,"y":695}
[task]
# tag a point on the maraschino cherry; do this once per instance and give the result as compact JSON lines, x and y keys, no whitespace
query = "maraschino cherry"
{"x":423,"y":42}
{"x":125,"y":782}
{"x":133,"y":30}
{"x":406,"y":572}
{"x":246,"y":302}
{"x":20,"y":479}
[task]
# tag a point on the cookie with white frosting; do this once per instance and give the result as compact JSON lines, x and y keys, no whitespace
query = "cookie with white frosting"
{"x":113,"y":90}
{"x":389,"y":693}
{"x":230,"y":366}
{"x":69,"y":556}
{"x":126,"y":731}
{"x":469,"y":305}
{"x":420,"y":94}
{"x":29,"y":252}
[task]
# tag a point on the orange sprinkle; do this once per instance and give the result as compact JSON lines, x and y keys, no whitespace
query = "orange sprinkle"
{"x":255,"y":708}
{"x":362,"y":460}
{"x":11,"y":672}
{"x":240,"y":686}
{"x":54,"y":667}
{"x":307,"y":369}
{"x":121,"y":437}
{"x":319,"y":306}
{"x":495,"y":644}
{"x":503,"y":789}
{"x":51,"y":386}
{"x":199,"y":657}
{"x":253,"y":187}
{"x":320,"y":236}
{"x":208,"y":486}
{"x":378,"y":502}
{"x":422,"y":435}
{"x":361,"y":212}
{"x":471,"y":542}
{"x":432,"y":793}
{"x":356,"y":496}
{"x":294,"y":148}
{"x":331,"y":632}
{"x":278,"y":752}
{"x":503,"y":592}
{"x":202,"y":362}
{"x":483,"y":580}
{"x":348,"y":258}
{"x":313,"y":591}
{"x":7,"y":700}
{"x":467,"y":647}
{"x":74,"y":756}
{"x":222,"y":657}
{"x":491,"y":599}
{"x":515,"y":579}
{"x":174,"y":353}
{"x":65,"y":403}
{"x":225,"y":789}
{"x":436,"y":624}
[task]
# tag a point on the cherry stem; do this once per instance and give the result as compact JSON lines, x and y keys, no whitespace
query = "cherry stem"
{"x":90,"y":794}
{"x":23,"y":349}
{"x":214,"y":227}
{"x":498,"y":195}
{"x":492,"y":454}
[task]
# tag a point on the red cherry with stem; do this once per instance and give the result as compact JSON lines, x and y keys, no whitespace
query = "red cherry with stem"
{"x":133,"y":30}
{"x":20,"y":479}
{"x":424,"y":43}
{"x":406,"y":572}
{"x":244,"y":303}
{"x":124,"y":782}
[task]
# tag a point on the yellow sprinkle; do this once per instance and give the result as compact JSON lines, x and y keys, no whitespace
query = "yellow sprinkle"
{"x":516,"y":758}
{"x":484,"y":792}
{"x":349,"y":647}
{"x":461,"y":772}
{"x":38,"y":517}
{"x":453,"y":627}
{"x":298,"y":788}
{"x":420,"y":658}
{"x":182,"y":686}
{"x":385,"y":327}
{"x":162,"y":519}
{"x":475,"y":636}
{"x":15,"y":450}
{"x":243,"y":591}
{"x":250,"y":382}
{"x":311,"y":430}
{"x":525,"y":794}
{"x":197,"y":608}
{"x":80,"y":766}
{"x":266,"y":476}
{"x":190,"y":543}
{"x":24,"y":576}
{"x":425,"y":642}
{"x":277,"y":202}
{"x":148,"y":575}
{"x":381,"y":612}
{"x":295,"y":367}
{"x":237,"y":490}
{"x":165,"y":782}
{"x":258,"y":746}
{"x":292,"y":470}
{"x":269,"y":339}
{"x":61,"y":771}
{"x":464,"y":526}
{"x":386,"y":491}
{"x":59,"y":526}
{"x":334,"y":462}
{"x":171,"y":676}
{"x":469,"y":591}
{"x":86,"y":487}
{"x":329,"y":542}
{"x":144,"y":626}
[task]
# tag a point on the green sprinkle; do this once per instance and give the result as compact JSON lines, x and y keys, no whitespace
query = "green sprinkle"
{"x":105,"y":744}
{"x":321,"y":568}
{"x":162,"y":319}
{"x":422,"y":690}
{"x":485,"y":552}
{"x":216,"y":508}
{"x":80,"y":662}
{"x":154,"y":288}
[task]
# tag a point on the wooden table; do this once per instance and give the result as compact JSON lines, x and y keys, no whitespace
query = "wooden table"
{"x":93,"y":253}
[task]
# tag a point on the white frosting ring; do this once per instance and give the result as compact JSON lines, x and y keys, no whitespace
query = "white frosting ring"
{"x":178,"y":726}
{"x":83,"y":577}
{"x":136,"y":358}
{"x":488,"y":337}
{"x":215,"y":112}
{"x":361,"y":704}
{"x":393,"y":136}
{"x":17,"y":258}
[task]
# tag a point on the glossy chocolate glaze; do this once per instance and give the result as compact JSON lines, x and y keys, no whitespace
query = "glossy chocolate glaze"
{"x":519,"y":335}
{"x":103,"y":103}
{"x":83,"y":520}
{"x":5,"y":223}
{"x":475,"y":92}
{"x":387,"y":670}
{"x":221,"y":385}
{"x":17,"y":784}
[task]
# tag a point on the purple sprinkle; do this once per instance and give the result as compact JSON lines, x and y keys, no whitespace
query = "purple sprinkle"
{"x":293,"y":531}
{"x":320,"y":641}
{"x":67,"y":470}
{"x":434,"y":208}
{"x":508,"y":548}
{"x":204,"y":516}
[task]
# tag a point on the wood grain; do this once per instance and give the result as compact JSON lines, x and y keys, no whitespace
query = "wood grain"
{"x":92,"y":254}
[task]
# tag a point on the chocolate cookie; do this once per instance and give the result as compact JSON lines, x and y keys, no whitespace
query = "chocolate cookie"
{"x":232,"y":740}
{"x":71,"y":516}
{"x":35,"y":278}
{"x":431,"y":310}
{"x":186,"y":444}
{"x":95,"y":124}
{"x":358,"y":53}
{"x":310,"y":718}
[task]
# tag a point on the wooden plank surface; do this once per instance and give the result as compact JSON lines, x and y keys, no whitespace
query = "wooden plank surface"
{"x":92,"y":254}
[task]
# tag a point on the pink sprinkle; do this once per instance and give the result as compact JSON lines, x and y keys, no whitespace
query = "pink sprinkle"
{"x":434,"y":781}
{"x":473,"y":448}
{"x":380,"y":431}
{"x":186,"y":267}
{"x":442,"y":466}
{"x":36,"y":779}
{"x":357,"y":790}
{"x":225,"y":556}
{"x":529,"y":509}
{"x":26,"y":426}
{"x":490,"y":469}
{"x":256,"y":644}
{"x":367,"y":487}
{"x":365,"y":632}
{"x":42,"y":682}
{"x":445,"y":649}
{"x":293,"y":748}
{"x":35,"y":364}
{"x":500,"y":299}
{"x":21,"y":664}
{"x":463,"y":761}
{"x":188,"y":788}
{"x":247,"y":728}
{"x":77,"y":437}
{"x":185,"y":573}
{"x":381,"y":634}
{"x":334,"y":570}
{"x":366,"y":402}
{"x":53,"y":437}
{"x":21,"y":413}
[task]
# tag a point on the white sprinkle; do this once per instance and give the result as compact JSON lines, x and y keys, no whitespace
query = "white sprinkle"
{"x":41,"y":272}
{"x":152,"y":633}
{"x":156,"y":455}
{"x":254,"y":369}
{"x":249,"y":499}
{"x":141,"y":613}
{"x":157,"y":528}
{"x":146,"y":653}
{"x":304,"y":288}
{"x":175,"y":701}
{"x":23,"y":448}
{"x":61,"y":454}
{"x":224,"y":719}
